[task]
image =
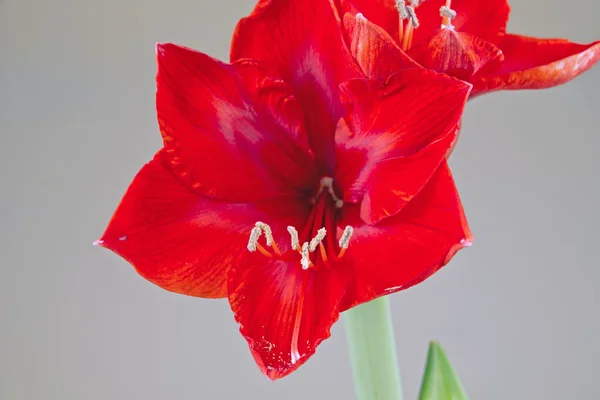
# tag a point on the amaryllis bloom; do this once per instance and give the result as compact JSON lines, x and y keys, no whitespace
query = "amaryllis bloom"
{"x":466,"y":39}
{"x":299,"y":198}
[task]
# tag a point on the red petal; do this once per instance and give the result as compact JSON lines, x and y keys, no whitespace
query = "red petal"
{"x":278,"y":98}
{"x":531,"y":63}
{"x":208,"y":118}
{"x":374,"y":50}
{"x":284,"y":312}
{"x":397,"y":137}
{"x":409,"y":247}
{"x":184,"y":242}
{"x":457,"y":54}
{"x":485,"y":19}
{"x":302,"y":41}
{"x":382,"y":13}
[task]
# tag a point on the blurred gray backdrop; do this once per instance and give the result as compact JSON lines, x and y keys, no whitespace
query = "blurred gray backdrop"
{"x":517,"y":312}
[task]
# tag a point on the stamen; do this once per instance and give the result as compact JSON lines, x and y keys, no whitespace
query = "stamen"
{"x":402,"y":15}
{"x":323,"y":253}
{"x":305,"y":260}
{"x":317,"y":239}
{"x":345,"y":239}
{"x":412,"y":16}
{"x":413,"y":23}
{"x":254,"y":235}
{"x":267,"y":230}
{"x":305,"y":249}
{"x":294,"y":234}
{"x":401,"y":7}
{"x":447,"y":12}
{"x":405,"y":35}
{"x":263,"y":251}
{"x":447,"y":15}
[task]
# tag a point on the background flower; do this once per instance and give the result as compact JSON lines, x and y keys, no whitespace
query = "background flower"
{"x":474,"y":45}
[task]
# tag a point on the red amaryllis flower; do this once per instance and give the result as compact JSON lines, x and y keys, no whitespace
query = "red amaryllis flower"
{"x":462,"y":38}
{"x":296,"y":199}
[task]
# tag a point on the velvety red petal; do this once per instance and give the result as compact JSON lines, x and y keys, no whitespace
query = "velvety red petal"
{"x":284,"y":311}
{"x":277,"y":97}
{"x":185,"y":242}
{"x":374,"y":49}
{"x":210,"y":121}
{"x":458,"y":54}
{"x":302,"y":41}
{"x":531,"y":63}
{"x":405,"y":249}
{"x":485,"y":19}
{"x":395,"y":137}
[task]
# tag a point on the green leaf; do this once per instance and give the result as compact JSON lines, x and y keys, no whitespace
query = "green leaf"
{"x":440,"y":381}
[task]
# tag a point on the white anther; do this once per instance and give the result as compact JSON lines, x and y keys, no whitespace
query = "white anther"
{"x":305,"y":260}
{"x":412,"y":15}
{"x":401,"y":7}
{"x":345,"y":239}
{"x":294,"y":234}
{"x":415,"y":3}
{"x":267,"y":230}
{"x":254,"y":235}
{"x":447,"y":12}
{"x":317,"y":239}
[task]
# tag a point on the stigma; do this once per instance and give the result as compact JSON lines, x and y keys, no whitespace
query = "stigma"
{"x":307,"y":252}
{"x":326,"y":183}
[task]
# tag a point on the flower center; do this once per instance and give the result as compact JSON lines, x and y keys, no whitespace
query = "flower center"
{"x":319,"y":247}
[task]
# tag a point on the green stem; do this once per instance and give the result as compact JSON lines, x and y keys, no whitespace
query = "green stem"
{"x":373,"y":351}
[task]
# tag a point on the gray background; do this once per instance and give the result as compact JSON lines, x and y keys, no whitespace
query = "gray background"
{"x":516,"y":312}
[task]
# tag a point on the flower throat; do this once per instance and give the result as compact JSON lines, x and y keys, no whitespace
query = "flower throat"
{"x":318,"y":248}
